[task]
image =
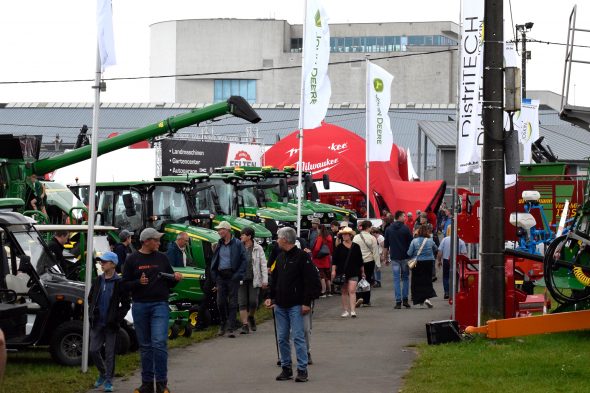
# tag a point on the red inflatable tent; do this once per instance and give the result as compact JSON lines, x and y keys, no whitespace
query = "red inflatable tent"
{"x":341,"y":154}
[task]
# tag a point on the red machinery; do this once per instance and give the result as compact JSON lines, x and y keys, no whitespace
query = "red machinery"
{"x":517,"y":302}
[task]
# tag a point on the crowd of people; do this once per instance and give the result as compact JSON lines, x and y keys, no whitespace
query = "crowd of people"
{"x":331,"y":260}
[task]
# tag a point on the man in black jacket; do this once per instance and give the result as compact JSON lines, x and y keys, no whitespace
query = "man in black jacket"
{"x":291,"y":294}
{"x":397,"y":239}
{"x":108,"y":304}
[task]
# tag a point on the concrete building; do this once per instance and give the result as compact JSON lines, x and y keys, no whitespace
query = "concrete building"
{"x":422,"y":56}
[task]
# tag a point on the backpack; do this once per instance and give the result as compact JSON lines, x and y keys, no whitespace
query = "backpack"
{"x":316,"y":283}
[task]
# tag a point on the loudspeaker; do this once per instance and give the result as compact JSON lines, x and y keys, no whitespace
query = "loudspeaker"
{"x":440,"y":332}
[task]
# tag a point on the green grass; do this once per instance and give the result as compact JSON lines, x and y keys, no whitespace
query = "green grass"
{"x":544,"y":363}
{"x":33,"y":370}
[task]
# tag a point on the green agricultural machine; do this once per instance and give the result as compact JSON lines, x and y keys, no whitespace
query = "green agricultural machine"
{"x":239,"y":192}
{"x":204,"y":196}
{"x":132,"y":206}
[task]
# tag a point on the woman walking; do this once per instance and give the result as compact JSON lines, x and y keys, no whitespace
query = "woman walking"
{"x":322,"y":260}
{"x":423,"y":249}
{"x":348,"y":260}
{"x":256,"y":277}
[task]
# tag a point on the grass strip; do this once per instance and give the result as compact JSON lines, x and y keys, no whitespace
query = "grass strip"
{"x":544,"y":363}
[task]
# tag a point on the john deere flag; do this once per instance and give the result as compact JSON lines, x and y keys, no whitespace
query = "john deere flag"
{"x":316,"y":55}
{"x":379,"y":138}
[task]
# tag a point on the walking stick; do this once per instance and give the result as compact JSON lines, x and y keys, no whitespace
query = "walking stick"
{"x":274,"y":321}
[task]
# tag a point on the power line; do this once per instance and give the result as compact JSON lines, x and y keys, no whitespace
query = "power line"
{"x":552,"y":43}
{"x":210,"y":122}
{"x":412,"y":54}
{"x":512,"y":20}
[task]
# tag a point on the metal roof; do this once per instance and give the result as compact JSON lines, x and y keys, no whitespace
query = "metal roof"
{"x":568,"y":142}
{"x":49,"y":119}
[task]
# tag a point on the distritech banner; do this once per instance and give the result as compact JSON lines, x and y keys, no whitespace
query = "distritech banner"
{"x":470,"y":126}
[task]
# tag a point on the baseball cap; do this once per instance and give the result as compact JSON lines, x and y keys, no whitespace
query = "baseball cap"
{"x":110,"y":257}
{"x":224,"y":225}
{"x":124,"y":235}
{"x":315,"y":221}
{"x":149,"y":233}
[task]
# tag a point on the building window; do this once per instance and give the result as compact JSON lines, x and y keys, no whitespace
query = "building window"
{"x":225,"y":88}
{"x":378,"y":43}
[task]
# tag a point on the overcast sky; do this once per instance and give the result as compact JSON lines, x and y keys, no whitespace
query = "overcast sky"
{"x":55,"y":40}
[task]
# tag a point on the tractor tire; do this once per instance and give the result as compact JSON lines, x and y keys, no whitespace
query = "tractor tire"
{"x":123,"y":342}
{"x":66,"y":343}
{"x":173,"y":331}
{"x":186,"y":331}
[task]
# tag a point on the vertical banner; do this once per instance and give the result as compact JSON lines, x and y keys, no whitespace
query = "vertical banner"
{"x":470,"y":138}
{"x":316,"y":89}
{"x":379,"y":137}
{"x":527,"y":124}
{"x":106,"y":40}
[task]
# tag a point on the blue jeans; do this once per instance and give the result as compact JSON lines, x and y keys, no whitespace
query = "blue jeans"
{"x":446,"y":275}
{"x":151,"y":326}
{"x":290,"y":320}
{"x":401,"y":274}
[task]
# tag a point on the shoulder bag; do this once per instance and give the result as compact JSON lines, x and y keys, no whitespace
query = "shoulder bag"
{"x":324,"y":250}
{"x":414,"y":261}
{"x":340,"y":279}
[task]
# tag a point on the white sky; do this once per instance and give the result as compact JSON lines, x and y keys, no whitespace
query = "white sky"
{"x":53,"y":40}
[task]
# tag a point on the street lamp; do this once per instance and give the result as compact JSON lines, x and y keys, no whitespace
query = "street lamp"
{"x":526,"y":55}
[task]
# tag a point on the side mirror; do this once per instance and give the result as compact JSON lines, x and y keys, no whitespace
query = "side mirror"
{"x":283,"y":189}
{"x":129,"y":205}
{"x":326,"y":181}
{"x":25,"y":265}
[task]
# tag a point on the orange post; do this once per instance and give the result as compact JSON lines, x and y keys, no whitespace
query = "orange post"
{"x":549,"y":323}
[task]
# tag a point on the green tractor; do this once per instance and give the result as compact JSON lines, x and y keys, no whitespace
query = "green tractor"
{"x":239,"y":192}
{"x":204,"y":195}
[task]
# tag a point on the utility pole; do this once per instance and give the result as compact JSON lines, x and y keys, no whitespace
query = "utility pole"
{"x":523,"y":29}
{"x":491,"y":273}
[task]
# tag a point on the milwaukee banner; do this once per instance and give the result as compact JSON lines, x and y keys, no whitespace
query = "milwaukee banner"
{"x":188,"y":156}
{"x":470,"y":125}
{"x":379,"y":138}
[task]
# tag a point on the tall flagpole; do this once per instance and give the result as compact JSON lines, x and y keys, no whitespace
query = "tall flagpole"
{"x":301,"y":123}
{"x":91,"y":206}
{"x":367,"y":89}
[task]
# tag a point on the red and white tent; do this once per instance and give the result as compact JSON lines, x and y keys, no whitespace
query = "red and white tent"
{"x":341,"y":154}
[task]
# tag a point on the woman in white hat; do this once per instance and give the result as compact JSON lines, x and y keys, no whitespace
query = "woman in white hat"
{"x":348,"y":260}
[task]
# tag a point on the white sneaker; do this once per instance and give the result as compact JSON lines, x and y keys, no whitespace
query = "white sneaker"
{"x":345,"y":314}
{"x":428,"y":304}
{"x":353,"y":314}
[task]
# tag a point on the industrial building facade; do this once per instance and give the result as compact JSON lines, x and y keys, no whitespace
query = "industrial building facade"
{"x":201,"y":54}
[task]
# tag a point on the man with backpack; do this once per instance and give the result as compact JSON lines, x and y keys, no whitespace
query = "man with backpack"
{"x":294,"y":285}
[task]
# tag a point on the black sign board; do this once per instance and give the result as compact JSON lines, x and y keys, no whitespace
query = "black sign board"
{"x":185,"y":156}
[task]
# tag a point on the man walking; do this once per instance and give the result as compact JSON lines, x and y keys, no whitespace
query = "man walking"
{"x":108,"y":304}
{"x":228,"y":268}
{"x":177,"y":251}
{"x":397,"y":240}
{"x":150,"y":290}
{"x":291,"y":294}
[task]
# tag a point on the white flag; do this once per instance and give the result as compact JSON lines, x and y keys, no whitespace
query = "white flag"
{"x":379,"y":137}
{"x":471,"y":87}
{"x":316,"y":55}
{"x":106,"y":41}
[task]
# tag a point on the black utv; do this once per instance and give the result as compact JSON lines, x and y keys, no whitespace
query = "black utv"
{"x":54,"y":304}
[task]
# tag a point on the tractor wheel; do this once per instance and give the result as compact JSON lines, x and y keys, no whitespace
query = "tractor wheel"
{"x":173,"y":331}
{"x":123,"y":342}
{"x":186,"y":331}
{"x":66,"y":343}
